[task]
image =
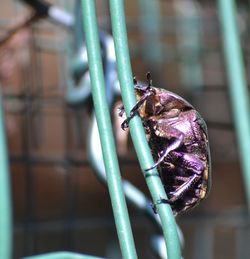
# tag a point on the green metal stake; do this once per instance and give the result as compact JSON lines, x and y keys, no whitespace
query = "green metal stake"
{"x":105,"y":129}
{"x":5,"y":195}
{"x":137,"y":131}
{"x":237,"y":85}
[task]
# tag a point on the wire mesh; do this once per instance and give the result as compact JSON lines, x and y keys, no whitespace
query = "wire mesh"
{"x":58,"y":203}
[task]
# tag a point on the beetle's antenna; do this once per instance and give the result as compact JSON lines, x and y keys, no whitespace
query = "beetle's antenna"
{"x":135,"y":80}
{"x":149,"y":79}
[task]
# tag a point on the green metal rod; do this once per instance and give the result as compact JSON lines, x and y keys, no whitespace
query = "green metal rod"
{"x":237,"y":85}
{"x":137,"y":132}
{"x":62,"y":255}
{"x":105,"y":129}
{"x":5,"y":195}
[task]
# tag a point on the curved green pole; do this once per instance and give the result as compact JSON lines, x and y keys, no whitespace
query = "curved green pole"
{"x":237,"y":85}
{"x":5,"y":195}
{"x":137,"y":132}
{"x":62,"y":255}
{"x":105,"y":128}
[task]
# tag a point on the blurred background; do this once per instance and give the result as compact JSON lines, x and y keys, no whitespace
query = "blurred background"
{"x":58,"y":202}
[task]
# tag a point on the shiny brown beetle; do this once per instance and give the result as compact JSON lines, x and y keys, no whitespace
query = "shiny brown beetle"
{"x":178,"y":139}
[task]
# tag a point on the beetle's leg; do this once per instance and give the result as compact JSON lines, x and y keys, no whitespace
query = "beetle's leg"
{"x":201,"y":193}
{"x":181,"y":178}
{"x":181,"y":190}
{"x":191,"y":202}
{"x":184,"y":188}
{"x":161,"y":200}
{"x":148,"y":91}
{"x":137,"y":106}
{"x":121,"y":111}
{"x":167,"y":201}
{"x":193,"y":164}
{"x":134,"y":80}
{"x":178,"y":139}
{"x":154,"y":208}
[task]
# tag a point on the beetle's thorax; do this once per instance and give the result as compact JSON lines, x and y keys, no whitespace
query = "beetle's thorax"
{"x":158,"y":103}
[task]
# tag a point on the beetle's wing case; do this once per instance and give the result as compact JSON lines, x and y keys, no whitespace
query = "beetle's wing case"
{"x":207,"y":172}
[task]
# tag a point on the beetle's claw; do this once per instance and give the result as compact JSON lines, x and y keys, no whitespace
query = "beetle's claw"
{"x":152,"y":167}
{"x":153,"y":205}
{"x":161,"y":200}
{"x":121,"y":111}
{"x":154,"y":208}
{"x":167,"y":201}
{"x":124,"y":125}
{"x":134,"y":80}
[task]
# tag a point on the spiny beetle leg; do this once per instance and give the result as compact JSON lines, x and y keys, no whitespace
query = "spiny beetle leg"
{"x":165,"y":152}
{"x":185,"y":187}
{"x":135,"y":109}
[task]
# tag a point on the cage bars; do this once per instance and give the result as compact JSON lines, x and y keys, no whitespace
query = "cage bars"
{"x":105,"y":128}
{"x":5,"y":196}
{"x":136,"y":129}
{"x":237,"y":85}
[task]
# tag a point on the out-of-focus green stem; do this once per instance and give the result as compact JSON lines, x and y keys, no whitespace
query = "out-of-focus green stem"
{"x":151,"y":27}
{"x":237,"y":85}
{"x":105,"y":130}
{"x":189,"y":43}
{"x":136,"y":129}
{"x":5,"y":195}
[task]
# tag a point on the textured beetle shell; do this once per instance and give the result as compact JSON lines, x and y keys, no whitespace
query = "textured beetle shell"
{"x":165,"y":111}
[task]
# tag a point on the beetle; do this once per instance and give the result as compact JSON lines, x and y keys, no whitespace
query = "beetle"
{"x":178,"y":139}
